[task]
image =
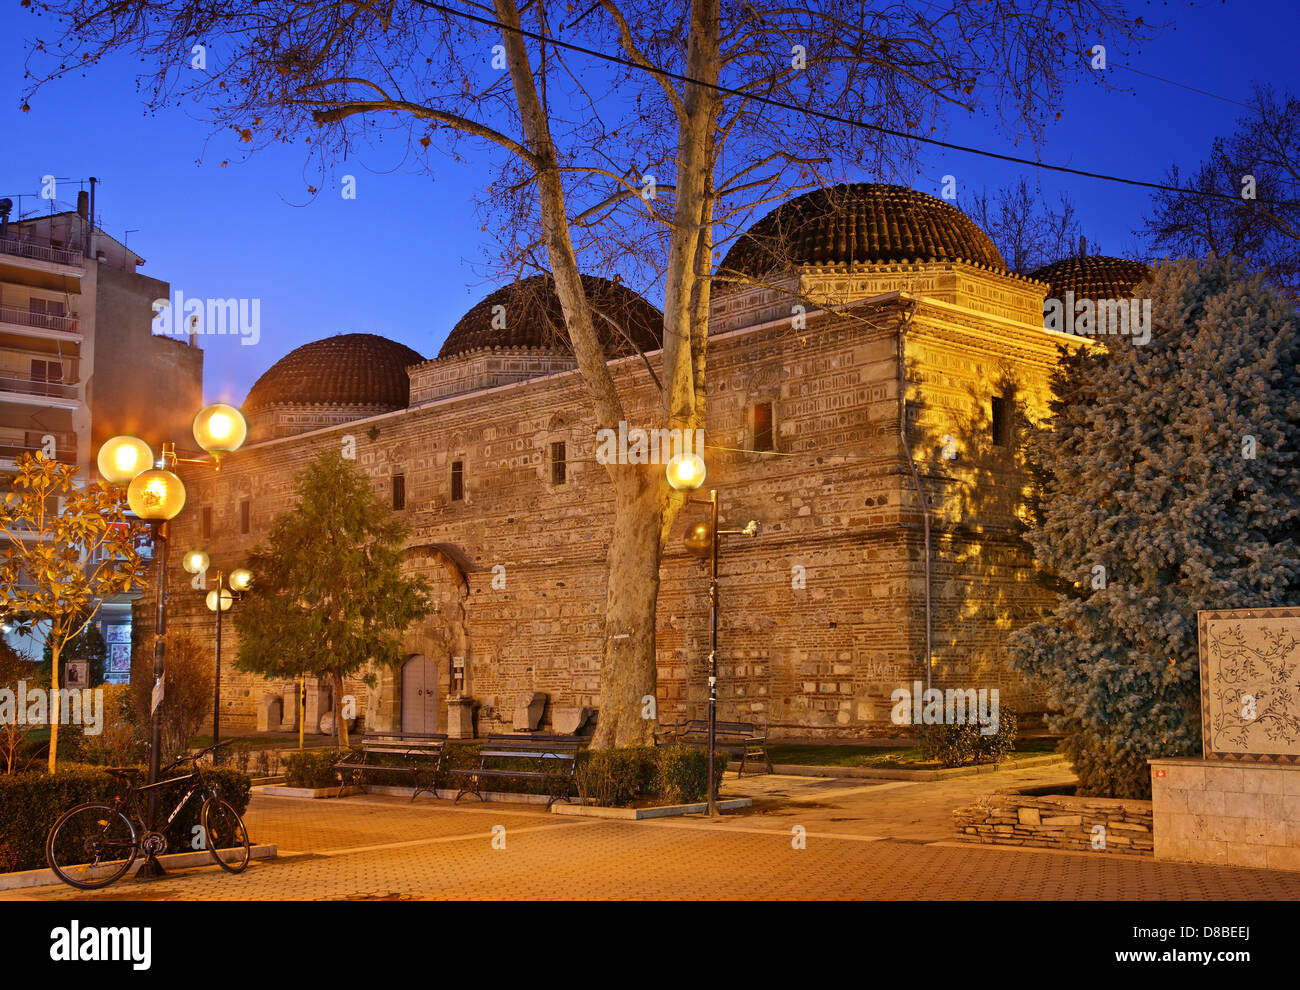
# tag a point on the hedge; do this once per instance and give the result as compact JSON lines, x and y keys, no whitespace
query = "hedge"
{"x":672,"y":774}
{"x":30,"y":804}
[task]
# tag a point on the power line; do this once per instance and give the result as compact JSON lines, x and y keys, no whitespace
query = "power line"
{"x":835,"y":118}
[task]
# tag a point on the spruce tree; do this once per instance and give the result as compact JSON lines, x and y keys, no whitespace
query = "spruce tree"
{"x":329,"y":596}
{"x":1171,"y":483}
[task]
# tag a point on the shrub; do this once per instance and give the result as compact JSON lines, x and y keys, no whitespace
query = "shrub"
{"x":670,"y":774}
{"x":187,"y":687}
{"x":682,"y":774}
{"x":30,"y":803}
{"x":119,"y":742}
{"x":313,"y":768}
{"x":962,"y":744}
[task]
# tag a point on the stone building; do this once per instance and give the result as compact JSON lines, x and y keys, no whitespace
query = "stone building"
{"x":836,"y":319}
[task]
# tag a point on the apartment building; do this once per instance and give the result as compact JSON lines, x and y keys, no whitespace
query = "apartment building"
{"x":78,"y":360}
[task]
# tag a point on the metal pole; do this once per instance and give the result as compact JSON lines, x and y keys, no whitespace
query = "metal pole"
{"x":151,"y":867}
{"x":713,"y":647}
{"x":216,"y":678}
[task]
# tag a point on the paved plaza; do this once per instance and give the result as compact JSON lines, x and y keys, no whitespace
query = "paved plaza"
{"x":889,"y":840}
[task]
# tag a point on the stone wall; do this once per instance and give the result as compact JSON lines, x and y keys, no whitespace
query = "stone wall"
{"x":1239,"y":814}
{"x":822,"y":616}
{"x":1010,"y":818}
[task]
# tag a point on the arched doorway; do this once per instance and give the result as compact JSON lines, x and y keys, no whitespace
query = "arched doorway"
{"x":419,"y":694}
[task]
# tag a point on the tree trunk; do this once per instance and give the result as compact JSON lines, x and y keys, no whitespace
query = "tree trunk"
{"x":54,"y":705}
{"x":628,"y":706}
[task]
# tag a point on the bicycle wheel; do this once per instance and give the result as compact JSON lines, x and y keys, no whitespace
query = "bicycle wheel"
{"x":225,"y":835}
{"x":91,"y":846}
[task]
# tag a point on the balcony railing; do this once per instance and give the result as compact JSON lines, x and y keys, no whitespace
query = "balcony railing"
{"x":41,"y":321}
{"x":42,"y":252}
{"x":35,"y":386}
{"x":65,"y":448}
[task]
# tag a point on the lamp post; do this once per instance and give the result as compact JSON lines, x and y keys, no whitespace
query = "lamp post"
{"x":219,"y":600}
{"x":156,"y":495}
{"x":687,"y":472}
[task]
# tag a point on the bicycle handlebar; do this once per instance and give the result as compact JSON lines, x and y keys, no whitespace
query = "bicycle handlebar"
{"x":194,"y":757}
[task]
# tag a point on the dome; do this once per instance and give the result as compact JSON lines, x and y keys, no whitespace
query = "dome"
{"x":860,"y":223}
{"x":350,"y":369}
{"x":532,"y":317}
{"x":1092,"y":276}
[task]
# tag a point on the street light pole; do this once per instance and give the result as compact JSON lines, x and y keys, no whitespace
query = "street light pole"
{"x":713,"y":646}
{"x":216,"y":675}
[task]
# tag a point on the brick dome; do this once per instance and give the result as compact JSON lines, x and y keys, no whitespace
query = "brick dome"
{"x":1093,"y":276}
{"x":859,"y":223}
{"x":350,"y":369}
{"x":533,"y":318}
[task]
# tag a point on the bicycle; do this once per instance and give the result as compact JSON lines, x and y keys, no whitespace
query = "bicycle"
{"x":95,"y":844}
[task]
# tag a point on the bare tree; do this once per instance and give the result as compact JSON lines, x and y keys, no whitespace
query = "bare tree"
{"x":1258,"y":167}
{"x":811,"y":94}
{"x":1027,"y":230}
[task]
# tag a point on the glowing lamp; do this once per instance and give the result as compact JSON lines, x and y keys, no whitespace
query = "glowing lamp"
{"x":156,"y":495}
{"x":195,"y":562}
{"x":699,"y":540}
{"x":220,"y":428}
{"x":224,"y":596}
{"x":122,"y":458}
{"x":241,"y":578}
{"x":686,"y":472}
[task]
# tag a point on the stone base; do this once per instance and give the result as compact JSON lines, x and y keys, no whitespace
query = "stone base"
{"x":1233,"y":814}
{"x":460,"y":718}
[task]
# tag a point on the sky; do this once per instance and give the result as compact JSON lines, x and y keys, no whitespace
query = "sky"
{"x":399,"y":259}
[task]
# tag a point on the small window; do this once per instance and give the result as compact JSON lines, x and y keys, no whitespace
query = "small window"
{"x":245,"y":515}
{"x":1001,"y":426}
{"x":763,"y":426}
{"x":399,"y":492}
{"x":457,"y":481}
{"x":559,"y":463}
{"x":207,"y":522}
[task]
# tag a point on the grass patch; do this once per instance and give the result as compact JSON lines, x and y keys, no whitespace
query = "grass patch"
{"x":879,"y":757}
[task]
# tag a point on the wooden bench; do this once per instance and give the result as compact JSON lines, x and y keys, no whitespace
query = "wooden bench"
{"x":743,"y":739}
{"x":422,"y":755}
{"x":553,"y":760}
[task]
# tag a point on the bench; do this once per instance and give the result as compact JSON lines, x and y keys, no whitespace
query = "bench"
{"x":422,"y":755}
{"x":553,"y":760}
{"x":743,"y":739}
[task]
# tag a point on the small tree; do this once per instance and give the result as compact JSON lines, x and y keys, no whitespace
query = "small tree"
{"x":14,"y":667}
{"x":1171,"y":483}
{"x":1028,"y":232}
{"x":331,"y":596}
{"x":65,"y":549}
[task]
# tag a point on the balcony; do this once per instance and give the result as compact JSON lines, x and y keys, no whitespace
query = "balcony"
{"x":13,"y":444}
{"x":22,"y":387}
{"x":41,"y":252}
{"x":14,"y":316}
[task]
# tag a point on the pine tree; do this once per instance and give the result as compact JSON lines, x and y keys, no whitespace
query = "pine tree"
{"x":1171,"y":483}
{"x":329,"y":594}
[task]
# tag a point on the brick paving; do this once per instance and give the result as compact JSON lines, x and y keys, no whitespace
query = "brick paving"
{"x":864,"y":839}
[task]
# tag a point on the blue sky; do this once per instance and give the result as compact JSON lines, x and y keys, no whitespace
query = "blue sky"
{"x":398,"y":259}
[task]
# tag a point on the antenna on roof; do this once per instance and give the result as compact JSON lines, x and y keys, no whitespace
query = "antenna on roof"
{"x":1083,"y":246}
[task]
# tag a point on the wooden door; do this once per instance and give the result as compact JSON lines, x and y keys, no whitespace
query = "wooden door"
{"x":419,"y":695}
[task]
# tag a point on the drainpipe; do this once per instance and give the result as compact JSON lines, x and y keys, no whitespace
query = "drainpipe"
{"x":916,"y":477}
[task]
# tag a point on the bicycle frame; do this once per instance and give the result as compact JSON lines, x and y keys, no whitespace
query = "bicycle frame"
{"x":132,"y":798}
